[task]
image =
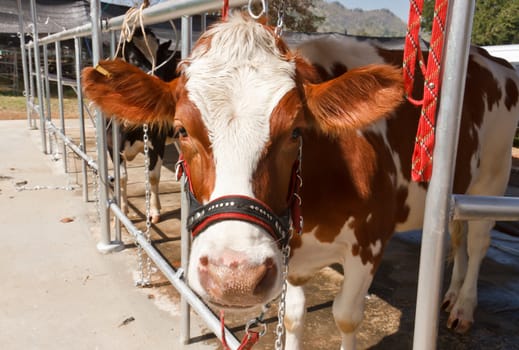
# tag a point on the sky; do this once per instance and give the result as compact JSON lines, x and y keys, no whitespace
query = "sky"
{"x":398,"y":7}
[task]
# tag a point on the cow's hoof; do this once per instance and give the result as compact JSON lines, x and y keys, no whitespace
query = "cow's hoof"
{"x":448,"y":302}
{"x":458,"y":324}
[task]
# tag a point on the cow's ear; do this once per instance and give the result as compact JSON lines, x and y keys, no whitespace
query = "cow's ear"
{"x":123,"y":90}
{"x":355,"y":99}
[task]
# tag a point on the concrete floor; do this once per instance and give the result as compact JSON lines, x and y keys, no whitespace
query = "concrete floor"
{"x":61,"y":293}
{"x":57,"y":291}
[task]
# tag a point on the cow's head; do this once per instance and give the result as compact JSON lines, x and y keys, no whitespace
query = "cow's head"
{"x":240,"y":107}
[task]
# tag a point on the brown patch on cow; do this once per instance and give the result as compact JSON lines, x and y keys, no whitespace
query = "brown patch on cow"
{"x":355,"y":99}
{"x":512,"y":94}
{"x":481,"y":95}
{"x":488,"y":56}
{"x":195,"y":147}
{"x":289,"y":324}
{"x":273,"y":173}
{"x":346,"y":327}
{"x":297,"y":280}
{"x":347,"y":183}
{"x":127,"y":92}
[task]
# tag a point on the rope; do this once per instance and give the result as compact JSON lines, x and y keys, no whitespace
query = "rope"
{"x":132,"y":18}
{"x":421,"y":169}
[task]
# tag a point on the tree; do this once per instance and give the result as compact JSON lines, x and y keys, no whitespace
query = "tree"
{"x":496,"y":22}
{"x":298,"y":14}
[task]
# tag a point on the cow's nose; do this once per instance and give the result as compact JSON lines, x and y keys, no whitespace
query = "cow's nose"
{"x":232,"y":280}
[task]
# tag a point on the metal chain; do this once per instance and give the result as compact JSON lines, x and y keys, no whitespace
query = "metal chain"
{"x":263,"y":9}
{"x":20,"y":188}
{"x":280,"y":327}
{"x":280,"y":22}
{"x":95,"y":185}
{"x":145,"y":267}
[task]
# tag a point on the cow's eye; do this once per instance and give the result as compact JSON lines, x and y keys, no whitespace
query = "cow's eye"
{"x":296,"y":133}
{"x":180,"y":132}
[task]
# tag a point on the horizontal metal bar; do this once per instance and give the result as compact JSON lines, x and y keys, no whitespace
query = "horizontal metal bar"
{"x":468,"y":207}
{"x":176,"y":280}
{"x":158,"y":13}
{"x":90,"y":161}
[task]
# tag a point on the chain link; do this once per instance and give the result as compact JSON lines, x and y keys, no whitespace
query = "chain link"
{"x":280,"y":327}
{"x":145,"y":267}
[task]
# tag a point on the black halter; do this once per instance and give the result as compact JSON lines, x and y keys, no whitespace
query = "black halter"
{"x":243,"y":208}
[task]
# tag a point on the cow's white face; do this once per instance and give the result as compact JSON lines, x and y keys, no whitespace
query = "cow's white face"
{"x":235,"y":89}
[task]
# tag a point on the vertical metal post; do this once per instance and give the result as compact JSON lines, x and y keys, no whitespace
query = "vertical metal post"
{"x":81,"y":110}
{"x":105,"y":245}
{"x":37,"y":67}
{"x":185,"y":238}
{"x":21,"y":36}
{"x":31,"y":87}
{"x":59,"y":73}
{"x":47,"y":92}
{"x":186,"y":35}
{"x":116,"y":159}
{"x":459,"y":25}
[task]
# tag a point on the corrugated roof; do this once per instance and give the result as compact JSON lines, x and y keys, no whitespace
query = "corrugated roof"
{"x":52,"y":15}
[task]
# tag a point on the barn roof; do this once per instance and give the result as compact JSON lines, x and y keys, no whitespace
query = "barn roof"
{"x":52,"y":15}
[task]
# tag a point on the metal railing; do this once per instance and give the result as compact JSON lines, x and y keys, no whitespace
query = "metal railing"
{"x":441,"y":205}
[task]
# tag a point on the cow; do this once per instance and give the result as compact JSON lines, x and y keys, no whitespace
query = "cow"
{"x":131,"y":138}
{"x":255,"y":119}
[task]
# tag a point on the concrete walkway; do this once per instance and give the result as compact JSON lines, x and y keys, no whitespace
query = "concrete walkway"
{"x":57,"y":290}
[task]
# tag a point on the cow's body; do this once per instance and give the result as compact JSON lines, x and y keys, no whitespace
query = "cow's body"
{"x":131,"y":138}
{"x":242,"y":107}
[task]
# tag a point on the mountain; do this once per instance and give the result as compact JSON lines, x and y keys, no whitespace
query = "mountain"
{"x":338,"y":18}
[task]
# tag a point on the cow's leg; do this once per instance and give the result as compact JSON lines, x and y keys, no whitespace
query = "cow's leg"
{"x":478,"y":240}
{"x":295,"y":311}
{"x":154,"y":191}
{"x":124,"y":186}
{"x":458,"y":231}
{"x":348,"y":306}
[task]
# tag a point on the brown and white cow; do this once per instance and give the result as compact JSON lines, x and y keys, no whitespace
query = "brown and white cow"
{"x":243,"y":106}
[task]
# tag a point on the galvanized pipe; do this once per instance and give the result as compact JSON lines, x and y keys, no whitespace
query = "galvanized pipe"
{"x":21,"y":36}
{"x":436,"y":219}
{"x":185,"y":322}
{"x":185,"y":240}
{"x":70,"y":143}
{"x":81,"y":111}
{"x":59,"y":73}
{"x":47,"y":92}
{"x":465,"y":207}
{"x":37,"y":68}
{"x":105,"y":245}
{"x":176,"y":279}
{"x":116,"y":158}
{"x":157,"y":13}
{"x":31,"y":89}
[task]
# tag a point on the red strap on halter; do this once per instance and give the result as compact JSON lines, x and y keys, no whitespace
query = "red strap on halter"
{"x":225,"y":10}
{"x":249,"y":339}
{"x":421,"y":169}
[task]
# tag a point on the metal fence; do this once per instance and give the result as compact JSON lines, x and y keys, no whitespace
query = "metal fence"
{"x":441,"y":205}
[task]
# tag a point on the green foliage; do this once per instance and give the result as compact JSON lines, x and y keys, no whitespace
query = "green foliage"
{"x":298,"y":14}
{"x":496,"y":22}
